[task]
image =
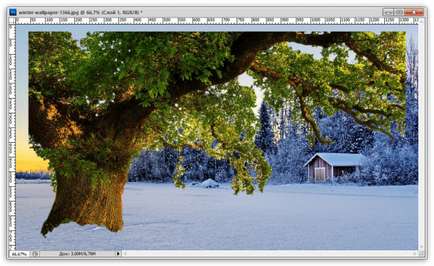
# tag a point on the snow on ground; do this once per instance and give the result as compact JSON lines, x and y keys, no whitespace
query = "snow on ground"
{"x":288,"y":217}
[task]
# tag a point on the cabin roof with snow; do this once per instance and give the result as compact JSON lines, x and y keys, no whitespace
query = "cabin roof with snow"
{"x":338,"y":159}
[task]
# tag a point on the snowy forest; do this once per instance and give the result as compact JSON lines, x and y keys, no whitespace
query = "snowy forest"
{"x":287,"y":148}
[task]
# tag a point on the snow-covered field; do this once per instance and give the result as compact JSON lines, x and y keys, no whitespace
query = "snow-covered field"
{"x":288,"y":217}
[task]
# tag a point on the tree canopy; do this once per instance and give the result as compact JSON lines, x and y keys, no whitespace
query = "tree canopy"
{"x":92,"y":108}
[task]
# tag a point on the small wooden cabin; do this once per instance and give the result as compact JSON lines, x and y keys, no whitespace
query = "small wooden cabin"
{"x":323,"y":166}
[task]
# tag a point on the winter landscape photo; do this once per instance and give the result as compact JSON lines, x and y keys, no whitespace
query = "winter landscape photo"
{"x":221,"y":141}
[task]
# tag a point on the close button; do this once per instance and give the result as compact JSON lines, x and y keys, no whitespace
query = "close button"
{"x":414,"y":11}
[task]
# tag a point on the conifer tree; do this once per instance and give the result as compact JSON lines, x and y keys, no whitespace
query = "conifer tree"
{"x":264,"y":140}
{"x":412,"y":95}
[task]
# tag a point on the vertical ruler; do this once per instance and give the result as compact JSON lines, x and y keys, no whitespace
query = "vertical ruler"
{"x":11,"y":105}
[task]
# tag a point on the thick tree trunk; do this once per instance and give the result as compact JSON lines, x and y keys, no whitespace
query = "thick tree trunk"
{"x":79,"y":198}
{"x":78,"y":201}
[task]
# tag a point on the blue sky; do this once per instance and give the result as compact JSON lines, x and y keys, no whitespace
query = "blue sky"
{"x":79,"y":31}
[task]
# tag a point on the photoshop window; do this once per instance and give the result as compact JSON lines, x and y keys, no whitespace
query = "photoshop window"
{"x":216,"y":132}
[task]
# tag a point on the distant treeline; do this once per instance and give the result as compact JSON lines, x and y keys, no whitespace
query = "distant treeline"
{"x":32,"y":175}
{"x":159,"y":166}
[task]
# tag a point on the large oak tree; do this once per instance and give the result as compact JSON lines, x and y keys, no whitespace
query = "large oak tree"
{"x":92,"y":108}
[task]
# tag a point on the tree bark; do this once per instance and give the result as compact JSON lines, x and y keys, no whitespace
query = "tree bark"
{"x":77,"y":200}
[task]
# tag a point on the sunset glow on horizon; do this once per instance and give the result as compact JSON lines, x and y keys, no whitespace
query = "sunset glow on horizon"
{"x":28,"y":161}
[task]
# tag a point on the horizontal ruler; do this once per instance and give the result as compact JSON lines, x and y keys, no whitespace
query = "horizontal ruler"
{"x":217,"y":21}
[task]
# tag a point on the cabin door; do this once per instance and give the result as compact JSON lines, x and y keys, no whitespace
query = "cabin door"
{"x":320,"y":174}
